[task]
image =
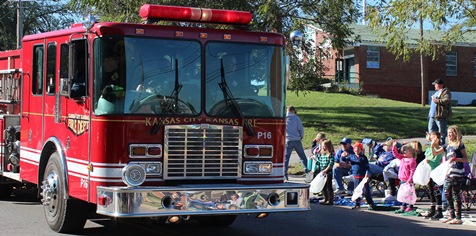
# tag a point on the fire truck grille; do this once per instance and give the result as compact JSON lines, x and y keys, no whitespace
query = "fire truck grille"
{"x":202,"y":151}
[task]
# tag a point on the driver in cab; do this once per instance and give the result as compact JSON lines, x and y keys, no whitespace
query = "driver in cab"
{"x":112,"y":89}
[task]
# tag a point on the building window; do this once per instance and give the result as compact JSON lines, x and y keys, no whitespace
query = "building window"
{"x":451,"y":63}
{"x":373,"y":57}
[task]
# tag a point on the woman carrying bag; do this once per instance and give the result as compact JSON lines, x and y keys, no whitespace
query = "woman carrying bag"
{"x":433,"y":156}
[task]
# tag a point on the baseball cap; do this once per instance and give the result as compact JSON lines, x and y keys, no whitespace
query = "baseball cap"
{"x":437,"y":81}
{"x":359,"y":145}
{"x":346,"y":141}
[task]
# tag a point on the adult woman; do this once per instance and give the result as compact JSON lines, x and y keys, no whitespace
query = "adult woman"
{"x":456,"y":155}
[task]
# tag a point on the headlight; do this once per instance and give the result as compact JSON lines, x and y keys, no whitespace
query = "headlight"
{"x":153,"y":168}
{"x":258,"y":167}
{"x":133,"y":175}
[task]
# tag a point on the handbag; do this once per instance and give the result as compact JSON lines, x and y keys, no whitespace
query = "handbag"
{"x":406,"y":194}
{"x":422,"y":173}
{"x":359,"y":189}
{"x":317,"y":184}
{"x":438,"y":175}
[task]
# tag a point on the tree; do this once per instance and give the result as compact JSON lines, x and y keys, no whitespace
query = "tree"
{"x":282,"y":16}
{"x":451,"y":20}
{"x":38,"y":17}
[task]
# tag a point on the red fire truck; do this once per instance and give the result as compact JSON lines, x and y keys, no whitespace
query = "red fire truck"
{"x":144,"y":120}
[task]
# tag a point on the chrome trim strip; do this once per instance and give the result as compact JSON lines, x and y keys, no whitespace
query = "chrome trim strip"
{"x":202,"y":199}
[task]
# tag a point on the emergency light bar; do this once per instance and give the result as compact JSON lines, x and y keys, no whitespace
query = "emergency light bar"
{"x":194,"y":14}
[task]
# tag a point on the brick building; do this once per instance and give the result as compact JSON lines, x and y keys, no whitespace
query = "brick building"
{"x":369,"y":63}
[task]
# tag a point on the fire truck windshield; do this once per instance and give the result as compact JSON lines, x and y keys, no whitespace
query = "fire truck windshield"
{"x":144,"y":76}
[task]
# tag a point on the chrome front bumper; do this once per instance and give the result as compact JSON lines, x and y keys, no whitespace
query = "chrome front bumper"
{"x":202,"y":199}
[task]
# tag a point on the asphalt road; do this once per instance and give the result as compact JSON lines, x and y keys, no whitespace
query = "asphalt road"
{"x":23,"y":215}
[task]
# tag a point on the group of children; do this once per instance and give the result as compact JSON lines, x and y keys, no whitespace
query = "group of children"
{"x":454,"y":153}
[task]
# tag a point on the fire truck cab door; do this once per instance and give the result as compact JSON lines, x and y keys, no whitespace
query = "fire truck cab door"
{"x":74,"y":102}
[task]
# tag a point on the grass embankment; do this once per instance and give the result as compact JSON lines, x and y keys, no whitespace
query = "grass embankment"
{"x":358,"y":117}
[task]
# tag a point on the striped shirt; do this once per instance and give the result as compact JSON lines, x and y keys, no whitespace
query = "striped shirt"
{"x":457,"y":168}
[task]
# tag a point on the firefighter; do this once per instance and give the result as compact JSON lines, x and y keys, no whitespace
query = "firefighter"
{"x":112,"y":89}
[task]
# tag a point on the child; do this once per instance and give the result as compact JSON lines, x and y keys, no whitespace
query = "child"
{"x":406,"y":170}
{"x":312,"y":159}
{"x":360,"y":169}
{"x":420,"y":156}
{"x":456,"y":155}
{"x":433,"y":155}
{"x":315,"y":145}
{"x":326,"y":162}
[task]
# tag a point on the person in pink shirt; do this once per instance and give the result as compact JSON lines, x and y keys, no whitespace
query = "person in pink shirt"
{"x":407,"y":168}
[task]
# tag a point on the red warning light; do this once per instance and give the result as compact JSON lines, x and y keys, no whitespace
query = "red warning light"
{"x":193,"y":14}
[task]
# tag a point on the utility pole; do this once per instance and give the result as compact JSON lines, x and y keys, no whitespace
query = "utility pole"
{"x":19,"y":23}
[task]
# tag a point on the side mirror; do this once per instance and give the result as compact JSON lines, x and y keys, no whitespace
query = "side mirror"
{"x":65,"y":87}
{"x":296,"y":37}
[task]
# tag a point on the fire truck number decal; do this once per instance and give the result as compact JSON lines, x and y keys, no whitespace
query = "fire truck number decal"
{"x":264,"y":135}
{"x":84,"y":183}
{"x":78,"y":124}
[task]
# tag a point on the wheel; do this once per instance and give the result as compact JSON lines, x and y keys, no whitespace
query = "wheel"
{"x":381,"y":187}
{"x":62,"y":215}
{"x":216,"y":221}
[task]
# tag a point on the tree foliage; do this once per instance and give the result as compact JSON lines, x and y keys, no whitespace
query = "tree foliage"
{"x":449,"y":21}
{"x":282,"y":16}
{"x":38,"y":17}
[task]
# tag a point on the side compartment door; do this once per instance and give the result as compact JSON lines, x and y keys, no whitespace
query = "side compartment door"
{"x":32,"y":127}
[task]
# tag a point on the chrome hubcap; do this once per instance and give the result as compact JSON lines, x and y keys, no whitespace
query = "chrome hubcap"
{"x":50,"y":192}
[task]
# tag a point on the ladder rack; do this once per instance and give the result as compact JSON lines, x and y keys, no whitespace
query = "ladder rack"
{"x":10,"y":86}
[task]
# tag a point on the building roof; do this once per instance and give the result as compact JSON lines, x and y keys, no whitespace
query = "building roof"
{"x":367,"y":36}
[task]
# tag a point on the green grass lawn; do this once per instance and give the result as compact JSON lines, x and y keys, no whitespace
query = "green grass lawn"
{"x":357,"y":117}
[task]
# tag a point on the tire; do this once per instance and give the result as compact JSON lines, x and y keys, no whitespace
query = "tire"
{"x":216,"y":221}
{"x":62,"y":215}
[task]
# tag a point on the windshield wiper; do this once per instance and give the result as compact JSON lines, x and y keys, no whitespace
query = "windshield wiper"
{"x":228,"y":96}
{"x":170,"y":104}
{"x":175,"y":92}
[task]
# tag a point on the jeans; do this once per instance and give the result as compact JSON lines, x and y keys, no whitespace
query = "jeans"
{"x":295,"y":145}
{"x":440,"y":126}
{"x":366,"y":191}
{"x":338,"y":174}
{"x":375,"y":170}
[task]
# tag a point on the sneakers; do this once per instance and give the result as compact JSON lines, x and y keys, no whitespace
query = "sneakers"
{"x":339,"y":191}
{"x":408,"y":209}
{"x":437,"y":216}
